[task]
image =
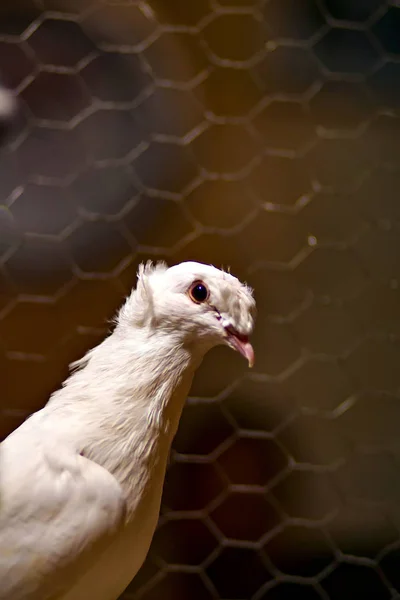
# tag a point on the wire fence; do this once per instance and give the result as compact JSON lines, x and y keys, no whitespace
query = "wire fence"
{"x":264,"y":135}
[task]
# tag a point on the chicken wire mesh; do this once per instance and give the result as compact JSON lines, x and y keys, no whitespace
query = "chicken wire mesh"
{"x":260,"y":135}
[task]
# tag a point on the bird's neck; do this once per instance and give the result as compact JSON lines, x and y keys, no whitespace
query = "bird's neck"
{"x":128,"y":395}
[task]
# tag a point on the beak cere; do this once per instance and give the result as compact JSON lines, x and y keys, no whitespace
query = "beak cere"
{"x":240,"y":343}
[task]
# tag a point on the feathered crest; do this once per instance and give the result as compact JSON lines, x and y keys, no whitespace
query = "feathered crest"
{"x":146,"y":270}
{"x":138,"y":307}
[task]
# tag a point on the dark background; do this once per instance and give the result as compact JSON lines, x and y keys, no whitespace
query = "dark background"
{"x":260,"y":135}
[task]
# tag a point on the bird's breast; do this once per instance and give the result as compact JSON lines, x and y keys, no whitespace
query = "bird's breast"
{"x":113,"y":570}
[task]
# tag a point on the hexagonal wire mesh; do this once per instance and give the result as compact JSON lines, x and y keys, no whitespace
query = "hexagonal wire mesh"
{"x":259,"y":134}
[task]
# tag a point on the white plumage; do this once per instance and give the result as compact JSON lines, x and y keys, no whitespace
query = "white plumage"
{"x":81,"y":480}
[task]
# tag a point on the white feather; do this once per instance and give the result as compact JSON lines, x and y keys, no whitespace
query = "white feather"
{"x":81,"y":480}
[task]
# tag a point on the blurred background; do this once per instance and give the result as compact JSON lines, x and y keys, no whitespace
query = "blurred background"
{"x":260,"y":135}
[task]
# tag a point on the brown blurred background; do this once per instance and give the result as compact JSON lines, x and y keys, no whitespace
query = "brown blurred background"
{"x":264,"y":135}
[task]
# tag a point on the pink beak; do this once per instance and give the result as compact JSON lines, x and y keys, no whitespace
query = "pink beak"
{"x":241,"y":343}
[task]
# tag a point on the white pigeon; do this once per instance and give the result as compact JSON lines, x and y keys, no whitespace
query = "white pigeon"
{"x":81,"y":479}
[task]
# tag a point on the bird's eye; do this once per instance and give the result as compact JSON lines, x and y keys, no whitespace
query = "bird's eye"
{"x":198,"y":292}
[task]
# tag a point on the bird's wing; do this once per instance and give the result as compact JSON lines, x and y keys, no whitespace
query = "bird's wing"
{"x":57,"y":510}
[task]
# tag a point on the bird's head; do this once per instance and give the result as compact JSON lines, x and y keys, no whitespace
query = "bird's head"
{"x":198,"y":303}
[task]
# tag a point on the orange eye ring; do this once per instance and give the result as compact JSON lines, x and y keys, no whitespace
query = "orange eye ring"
{"x":198,"y":292}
